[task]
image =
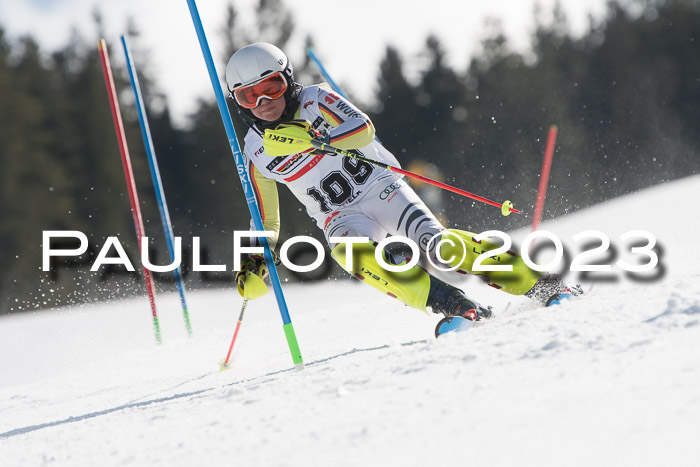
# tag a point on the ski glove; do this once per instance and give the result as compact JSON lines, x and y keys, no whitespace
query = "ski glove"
{"x":292,"y":137}
{"x":250,"y":279}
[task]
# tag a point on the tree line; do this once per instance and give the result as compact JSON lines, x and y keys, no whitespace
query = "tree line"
{"x":625,"y":96}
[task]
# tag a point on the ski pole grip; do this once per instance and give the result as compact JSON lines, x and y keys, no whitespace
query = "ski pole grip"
{"x":327,"y":148}
{"x":320,"y":145}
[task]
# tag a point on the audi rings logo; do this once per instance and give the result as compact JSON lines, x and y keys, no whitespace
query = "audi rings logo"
{"x":446,"y":237}
{"x":389,"y":190}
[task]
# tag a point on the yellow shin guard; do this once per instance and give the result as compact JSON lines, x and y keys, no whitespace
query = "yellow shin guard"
{"x":517,"y":282}
{"x":410,"y":287}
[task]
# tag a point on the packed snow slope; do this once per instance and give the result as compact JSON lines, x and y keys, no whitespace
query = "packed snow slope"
{"x":610,"y":379}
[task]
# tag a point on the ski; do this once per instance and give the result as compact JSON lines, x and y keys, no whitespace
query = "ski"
{"x":452,"y":324}
{"x":559,"y":299}
{"x":459,"y":324}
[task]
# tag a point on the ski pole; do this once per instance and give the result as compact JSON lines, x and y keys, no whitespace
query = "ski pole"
{"x":155,"y":176}
{"x":506,"y":206}
{"x":224,"y":364}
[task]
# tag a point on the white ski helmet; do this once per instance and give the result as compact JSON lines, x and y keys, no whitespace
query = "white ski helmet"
{"x":254,"y":63}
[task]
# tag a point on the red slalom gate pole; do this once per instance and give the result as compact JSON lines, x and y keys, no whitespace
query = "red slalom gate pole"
{"x":544,"y":176}
{"x":128,"y":174}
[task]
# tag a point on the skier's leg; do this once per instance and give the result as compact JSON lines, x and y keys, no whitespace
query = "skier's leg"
{"x":403,"y":213}
{"x":410,"y":287}
{"x":462,"y":248}
{"x":400,"y":211}
{"x":413,"y":287}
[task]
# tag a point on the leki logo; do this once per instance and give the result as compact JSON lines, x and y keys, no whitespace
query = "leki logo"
{"x":281,"y":139}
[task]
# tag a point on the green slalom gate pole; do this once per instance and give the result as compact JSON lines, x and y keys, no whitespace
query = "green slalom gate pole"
{"x":247,"y":187}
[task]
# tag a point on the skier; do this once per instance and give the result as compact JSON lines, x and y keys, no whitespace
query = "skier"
{"x":351,"y":198}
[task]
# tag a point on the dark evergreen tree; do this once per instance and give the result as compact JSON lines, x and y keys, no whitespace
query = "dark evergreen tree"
{"x":396,"y":109}
{"x":625,"y":96}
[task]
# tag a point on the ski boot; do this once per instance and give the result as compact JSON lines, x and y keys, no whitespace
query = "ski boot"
{"x":550,"y":289}
{"x":450,"y":301}
{"x":460,"y":312}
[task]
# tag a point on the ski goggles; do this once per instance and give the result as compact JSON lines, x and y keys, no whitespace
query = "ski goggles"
{"x":271,"y":87}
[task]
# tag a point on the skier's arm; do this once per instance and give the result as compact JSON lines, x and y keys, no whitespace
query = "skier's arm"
{"x":268,"y":201}
{"x":352,"y":128}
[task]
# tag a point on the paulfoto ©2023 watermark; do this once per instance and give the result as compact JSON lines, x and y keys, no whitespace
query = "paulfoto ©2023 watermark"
{"x":639,"y":245}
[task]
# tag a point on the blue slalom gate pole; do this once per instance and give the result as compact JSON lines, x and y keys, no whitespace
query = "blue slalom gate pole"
{"x":247,"y":187}
{"x":335,"y":86}
{"x":155,"y":175}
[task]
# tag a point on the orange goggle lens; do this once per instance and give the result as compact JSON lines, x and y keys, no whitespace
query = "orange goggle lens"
{"x":271,"y":87}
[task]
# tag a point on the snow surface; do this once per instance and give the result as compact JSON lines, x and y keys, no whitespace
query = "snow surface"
{"x":611,"y":379}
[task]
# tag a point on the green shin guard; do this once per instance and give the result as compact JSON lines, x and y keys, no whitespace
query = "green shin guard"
{"x":515,"y":282}
{"x":410,"y":287}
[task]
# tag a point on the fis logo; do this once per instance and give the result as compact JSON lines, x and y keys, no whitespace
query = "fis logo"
{"x":306,"y":104}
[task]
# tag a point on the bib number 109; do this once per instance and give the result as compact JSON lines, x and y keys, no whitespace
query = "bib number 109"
{"x":337,"y":186}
